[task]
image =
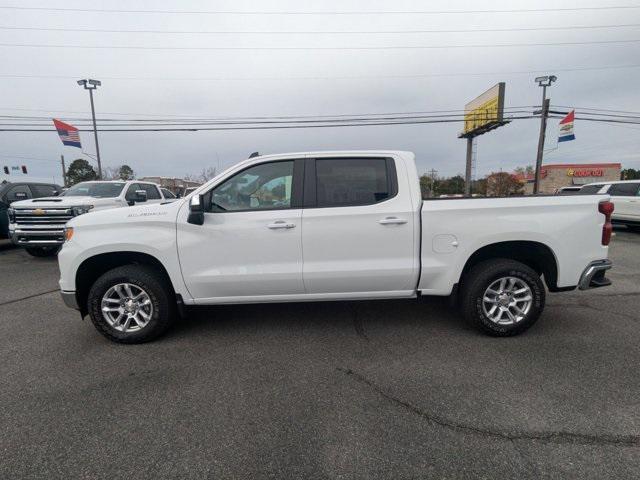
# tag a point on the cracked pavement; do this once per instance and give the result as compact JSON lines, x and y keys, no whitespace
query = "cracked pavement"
{"x":395,"y":389}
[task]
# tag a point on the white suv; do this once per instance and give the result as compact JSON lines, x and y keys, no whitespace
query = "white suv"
{"x":625,"y":195}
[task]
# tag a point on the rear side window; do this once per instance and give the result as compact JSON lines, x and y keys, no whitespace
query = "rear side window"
{"x":152,"y":191}
{"x":43,"y":190}
{"x":590,"y":189}
{"x":353,"y":181}
{"x":624,"y":189}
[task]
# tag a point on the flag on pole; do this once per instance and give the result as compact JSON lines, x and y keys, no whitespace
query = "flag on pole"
{"x":68,"y":133}
{"x":566,"y":127}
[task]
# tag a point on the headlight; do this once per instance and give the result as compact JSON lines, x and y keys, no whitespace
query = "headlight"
{"x":81,"y":210}
{"x":12,"y":215}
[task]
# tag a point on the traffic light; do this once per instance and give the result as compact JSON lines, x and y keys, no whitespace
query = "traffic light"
{"x":6,"y":170}
{"x":24,"y":169}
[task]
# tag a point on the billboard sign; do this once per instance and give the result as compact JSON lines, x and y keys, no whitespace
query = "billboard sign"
{"x":485,"y":112}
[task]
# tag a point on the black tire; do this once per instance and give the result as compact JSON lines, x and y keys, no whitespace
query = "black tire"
{"x":481,"y":277}
{"x":42,"y":251}
{"x":156,"y":287}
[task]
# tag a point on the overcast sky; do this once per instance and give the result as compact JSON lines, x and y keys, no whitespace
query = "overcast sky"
{"x":263,"y":82}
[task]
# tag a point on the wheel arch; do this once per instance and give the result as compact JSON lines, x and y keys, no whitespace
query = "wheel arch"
{"x":93,"y":267}
{"x":537,"y":255}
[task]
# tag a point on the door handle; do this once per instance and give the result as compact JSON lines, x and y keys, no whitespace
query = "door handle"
{"x":280,"y":224}
{"x":392,"y":221}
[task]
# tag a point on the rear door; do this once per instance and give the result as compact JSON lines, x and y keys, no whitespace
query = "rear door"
{"x":357,"y":227}
{"x":626,"y":200}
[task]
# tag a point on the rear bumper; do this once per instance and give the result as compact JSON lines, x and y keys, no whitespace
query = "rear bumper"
{"x":593,"y":275}
{"x":70,"y":300}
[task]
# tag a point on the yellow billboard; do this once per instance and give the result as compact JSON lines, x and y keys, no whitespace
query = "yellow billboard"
{"x":485,"y":112}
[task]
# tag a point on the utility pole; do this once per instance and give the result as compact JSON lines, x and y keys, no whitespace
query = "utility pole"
{"x":432,"y":175}
{"x":543,"y":82}
{"x":64,"y":171}
{"x":91,"y":85}
{"x":467,"y":173}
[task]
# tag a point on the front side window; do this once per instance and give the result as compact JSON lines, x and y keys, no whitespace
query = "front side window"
{"x":43,"y":190}
{"x":263,"y":187}
{"x":351,"y":182}
{"x":95,"y":189}
{"x":624,"y":189}
{"x":131,"y":192}
{"x":152,"y":191}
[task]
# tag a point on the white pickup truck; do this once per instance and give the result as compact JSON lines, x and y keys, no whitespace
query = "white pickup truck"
{"x":38,"y":224}
{"x":330,"y":226}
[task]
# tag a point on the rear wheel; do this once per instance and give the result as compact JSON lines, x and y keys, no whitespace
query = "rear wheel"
{"x":131,"y":304}
{"x":502,"y":297}
{"x":43,"y":251}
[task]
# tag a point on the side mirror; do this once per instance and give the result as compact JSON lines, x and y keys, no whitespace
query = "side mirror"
{"x":141,"y":196}
{"x":196,"y":210}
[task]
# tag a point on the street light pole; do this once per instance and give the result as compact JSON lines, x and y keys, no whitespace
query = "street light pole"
{"x":543,"y":82}
{"x":91,"y":85}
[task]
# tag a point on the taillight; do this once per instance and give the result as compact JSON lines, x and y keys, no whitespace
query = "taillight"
{"x":606,"y":208}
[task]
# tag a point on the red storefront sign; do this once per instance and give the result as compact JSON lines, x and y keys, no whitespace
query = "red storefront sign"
{"x":585,"y":172}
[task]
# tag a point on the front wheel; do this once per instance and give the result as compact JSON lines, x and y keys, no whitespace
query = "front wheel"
{"x":502,"y":297}
{"x":42,"y":251}
{"x":131,"y":304}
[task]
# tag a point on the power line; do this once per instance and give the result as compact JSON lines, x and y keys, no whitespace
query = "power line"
{"x":596,"y":109}
{"x":369,"y":114}
{"x":258,"y":127}
{"x":288,"y":12}
{"x":345,"y":77}
{"x":314,"y":32}
{"x":385,"y":47}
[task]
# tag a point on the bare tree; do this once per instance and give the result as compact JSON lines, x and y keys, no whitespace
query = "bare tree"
{"x":111,"y":173}
{"x":204,"y":176}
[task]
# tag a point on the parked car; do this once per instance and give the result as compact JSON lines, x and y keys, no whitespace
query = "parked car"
{"x":38,"y":224}
{"x":15,"y":191}
{"x":572,"y":190}
{"x":625,"y":195}
{"x":330,"y":226}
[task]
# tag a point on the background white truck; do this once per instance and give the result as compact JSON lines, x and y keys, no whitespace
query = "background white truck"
{"x":38,"y":224}
{"x":330,"y":226}
{"x":625,"y":195}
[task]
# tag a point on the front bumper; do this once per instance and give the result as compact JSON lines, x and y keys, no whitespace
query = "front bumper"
{"x":70,"y":300}
{"x":50,"y":235}
{"x":593,"y":275}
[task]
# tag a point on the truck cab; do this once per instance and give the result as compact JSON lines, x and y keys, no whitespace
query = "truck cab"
{"x":38,"y":223}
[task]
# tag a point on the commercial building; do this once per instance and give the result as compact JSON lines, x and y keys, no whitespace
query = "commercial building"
{"x":553,"y":177}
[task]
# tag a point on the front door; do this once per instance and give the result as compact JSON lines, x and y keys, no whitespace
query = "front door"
{"x":250,"y":244}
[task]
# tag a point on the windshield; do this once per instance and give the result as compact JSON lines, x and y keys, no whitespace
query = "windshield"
{"x":95,"y":189}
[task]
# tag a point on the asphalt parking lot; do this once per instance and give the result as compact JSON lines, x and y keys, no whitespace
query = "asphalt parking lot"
{"x":389,"y":389}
